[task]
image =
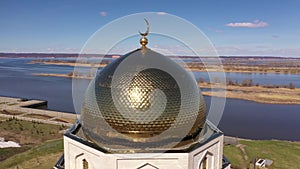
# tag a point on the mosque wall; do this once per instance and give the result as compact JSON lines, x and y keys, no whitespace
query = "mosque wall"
{"x":81,"y":156}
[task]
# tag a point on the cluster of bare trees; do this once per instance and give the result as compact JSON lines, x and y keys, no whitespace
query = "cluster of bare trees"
{"x":247,"y":83}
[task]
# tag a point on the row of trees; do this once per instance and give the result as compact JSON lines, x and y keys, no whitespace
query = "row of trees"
{"x":248,"y":83}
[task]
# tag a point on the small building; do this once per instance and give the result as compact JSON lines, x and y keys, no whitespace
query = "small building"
{"x":261,"y":164}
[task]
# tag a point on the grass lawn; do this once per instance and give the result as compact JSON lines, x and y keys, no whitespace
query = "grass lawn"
{"x":42,"y":156}
{"x":285,"y":154}
{"x":8,"y":152}
{"x":42,"y":145}
{"x":27,"y":134}
{"x":3,"y":118}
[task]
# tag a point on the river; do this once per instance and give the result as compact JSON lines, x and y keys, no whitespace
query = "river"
{"x":241,"y":118}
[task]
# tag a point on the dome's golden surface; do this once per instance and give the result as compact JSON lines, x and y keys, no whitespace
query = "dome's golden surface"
{"x":148,"y":121}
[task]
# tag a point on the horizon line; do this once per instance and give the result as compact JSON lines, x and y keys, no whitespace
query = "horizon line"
{"x":66,"y":53}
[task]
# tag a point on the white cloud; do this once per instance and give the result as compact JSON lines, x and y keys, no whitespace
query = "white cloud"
{"x":103,"y":13}
{"x":254,"y":24}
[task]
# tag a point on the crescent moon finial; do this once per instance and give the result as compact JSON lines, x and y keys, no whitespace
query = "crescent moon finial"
{"x":148,"y":29}
{"x":144,"y":40}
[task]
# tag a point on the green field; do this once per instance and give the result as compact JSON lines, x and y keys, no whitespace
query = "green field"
{"x":43,"y":156}
{"x":27,"y":132}
{"x":42,"y":146}
{"x":28,"y":135}
{"x":285,"y":154}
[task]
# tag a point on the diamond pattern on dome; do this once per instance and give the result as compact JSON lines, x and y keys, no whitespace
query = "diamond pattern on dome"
{"x":145,"y":88}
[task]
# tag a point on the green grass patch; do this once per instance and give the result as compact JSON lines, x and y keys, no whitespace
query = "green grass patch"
{"x":3,"y":118}
{"x":10,"y":151}
{"x":26,"y":132}
{"x":234,"y":155}
{"x":29,"y":135}
{"x":285,"y":154}
{"x":41,"y":152}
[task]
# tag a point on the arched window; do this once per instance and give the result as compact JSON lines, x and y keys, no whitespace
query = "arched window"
{"x":207,"y":161}
{"x":85,"y":164}
{"x":204,"y":163}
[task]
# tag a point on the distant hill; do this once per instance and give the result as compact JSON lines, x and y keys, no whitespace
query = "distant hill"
{"x":36,"y":55}
{"x":45,"y":55}
{"x":73,"y":55}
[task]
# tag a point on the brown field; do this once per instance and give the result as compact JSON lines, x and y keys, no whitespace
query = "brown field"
{"x":256,"y":93}
{"x":11,"y":112}
{"x":38,"y":116}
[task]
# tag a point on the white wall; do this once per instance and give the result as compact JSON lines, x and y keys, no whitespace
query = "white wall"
{"x":75,"y":152}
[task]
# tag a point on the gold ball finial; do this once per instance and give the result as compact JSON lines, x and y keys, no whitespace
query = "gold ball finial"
{"x":144,"y":40}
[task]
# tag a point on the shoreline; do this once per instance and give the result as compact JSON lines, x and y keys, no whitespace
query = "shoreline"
{"x":230,"y":138}
{"x":257,"y":94}
{"x":23,"y":109}
{"x":16,"y":111}
{"x":227,"y":68}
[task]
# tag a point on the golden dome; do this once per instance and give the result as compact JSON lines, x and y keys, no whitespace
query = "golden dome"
{"x":143,"y":101}
{"x":142,"y":90}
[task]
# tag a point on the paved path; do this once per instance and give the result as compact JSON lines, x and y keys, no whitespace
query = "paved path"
{"x":23,"y":113}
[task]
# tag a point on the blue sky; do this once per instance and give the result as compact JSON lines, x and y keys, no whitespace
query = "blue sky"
{"x":235,"y":27}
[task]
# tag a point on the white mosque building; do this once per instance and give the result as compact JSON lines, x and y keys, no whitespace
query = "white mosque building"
{"x":143,"y":111}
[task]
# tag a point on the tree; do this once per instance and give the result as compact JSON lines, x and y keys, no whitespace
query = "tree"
{"x":229,"y":81}
{"x":247,"y":82}
{"x":292,"y":86}
{"x":216,"y":80}
{"x":200,"y":80}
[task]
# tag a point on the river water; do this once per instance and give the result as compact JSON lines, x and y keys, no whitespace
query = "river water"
{"x":241,"y":118}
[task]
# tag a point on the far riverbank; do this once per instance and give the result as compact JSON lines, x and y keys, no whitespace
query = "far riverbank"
{"x":257,"y":94}
{"x":278,"y":68}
